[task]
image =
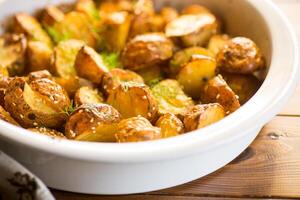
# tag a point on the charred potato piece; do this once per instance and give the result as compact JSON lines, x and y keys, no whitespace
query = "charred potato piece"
{"x":193,"y":30}
{"x":40,"y":102}
{"x":147,"y":50}
{"x":38,"y":56}
{"x":12,"y":53}
{"x":217,"y":91}
{"x":115,"y":77}
{"x":135,"y":96}
{"x":151,"y":75}
{"x":194,"y":9}
{"x":244,"y":86}
{"x":4,"y":82}
{"x":93,"y":122}
{"x":170,"y":125}
{"x":51,"y":15}
{"x":48,"y":132}
{"x":87,"y":95}
{"x":204,"y":115}
{"x":182,"y":57}
{"x":196,"y":73}
{"x":171,"y":98}
{"x":5,"y":116}
{"x":169,"y":14}
{"x":64,"y":58}
{"x":137,"y":129}
{"x":217,"y":42}
{"x":29,"y":26}
{"x":89,"y":65}
{"x":240,"y":55}
{"x":72,"y":83}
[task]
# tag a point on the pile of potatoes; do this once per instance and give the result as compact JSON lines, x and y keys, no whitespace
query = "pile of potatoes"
{"x":118,"y":71}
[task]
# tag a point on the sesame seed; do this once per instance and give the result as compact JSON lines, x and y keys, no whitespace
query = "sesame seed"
{"x":35,"y":124}
{"x":218,"y":96}
{"x":92,"y":120}
{"x":144,"y":97}
{"x":22,"y":116}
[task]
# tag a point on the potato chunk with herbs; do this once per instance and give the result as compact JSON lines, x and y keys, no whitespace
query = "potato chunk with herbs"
{"x":137,"y":129}
{"x":204,"y":115}
{"x":196,"y":73}
{"x":132,"y":99}
{"x":87,"y":95}
{"x":240,"y":55}
{"x":90,"y":65}
{"x":217,"y":91}
{"x":38,"y":56}
{"x":170,"y":125}
{"x":171,"y":98}
{"x":48,"y":132}
{"x":93,"y":122}
{"x":5,"y":116}
{"x":217,"y":42}
{"x":193,"y":30}
{"x":147,"y":50}
{"x":40,"y":102}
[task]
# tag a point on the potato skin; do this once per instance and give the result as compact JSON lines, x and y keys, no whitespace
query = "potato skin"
{"x":147,"y":50}
{"x":93,"y":122}
{"x":40,"y":102}
{"x":204,"y":115}
{"x":4,"y":82}
{"x":194,"y":9}
{"x":89,"y":65}
{"x":87,"y":95}
{"x":137,"y":129}
{"x":5,"y":116}
{"x":39,"y":75}
{"x":240,"y":55}
{"x":51,"y":15}
{"x":170,"y":125}
{"x":135,"y":96}
{"x":38,"y":56}
{"x":217,"y":42}
{"x":169,"y":14}
{"x":217,"y":91}
{"x":48,"y":132}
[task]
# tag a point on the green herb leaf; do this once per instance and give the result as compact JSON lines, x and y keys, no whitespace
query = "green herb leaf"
{"x":111,"y":60}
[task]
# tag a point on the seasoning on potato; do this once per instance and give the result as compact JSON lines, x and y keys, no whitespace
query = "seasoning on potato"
{"x":48,"y":132}
{"x":170,"y":125}
{"x":87,"y":95}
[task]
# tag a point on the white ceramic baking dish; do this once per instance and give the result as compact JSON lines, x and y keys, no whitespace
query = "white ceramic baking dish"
{"x":140,"y":167}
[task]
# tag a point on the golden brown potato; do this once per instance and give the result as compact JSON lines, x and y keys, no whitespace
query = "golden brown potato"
{"x":64,"y":57}
{"x":158,"y":23}
{"x":115,"y":77}
{"x":108,"y":7}
{"x":193,"y":30}
{"x":29,"y":26}
{"x":89,"y":65}
{"x":204,"y":115}
{"x":194,"y":9}
{"x":5,"y":116}
{"x":147,"y":50}
{"x":182,"y":57}
{"x":132,"y":99}
{"x":89,"y":8}
{"x":244,"y":86}
{"x":171,"y":98}
{"x":169,"y":14}
{"x":40,"y":102}
{"x":196,"y":73}
{"x":151,"y":75}
{"x":87,"y":95}
{"x":38,"y":56}
{"x":137,"y":129}
{"x":93,"y":122}
{"x":39,"y":75}
{"x":240,"y":55}
{"x":51,"y":15}
{"x":217,"y":42}
{"x":12,"y":53}
{"x":4,"y":82}
{"x":170,"y":125}
{"x":49,"y":132}
{"x":217,"y":91}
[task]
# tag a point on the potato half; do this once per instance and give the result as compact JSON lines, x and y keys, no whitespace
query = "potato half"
{"x":5,"y":116}
{"x":48,"y":132}
{"x":170,"y":125}
{"x":87,"y":95}
{"x":38,"y":56}
{"x":93,"y":122}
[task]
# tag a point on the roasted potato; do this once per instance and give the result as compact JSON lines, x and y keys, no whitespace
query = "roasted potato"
{"x":38,"y":56}
{"x":196,"y":73}
{"x":182,"y":57}
{"x":135,"y":96}
{"x":170,"y":125}
{"x":169,"y":14}
{"x":171,"y":98}
{"x":72,"y":83}
{"x":195,"y":9}
{"x":151,"y":75}
{"x":147,"y":50}
{"x":12,"y":53}
{"x":217,"y":42}
{"x":89,"y":8}
{"x":204,"y":115}
{"x":89,"y":65}
{"x":137,"y":129}
{"x":244,"y":86}
{"x":240,"y":55}
{"x":40,"y":102}
{"x":39,"y":75}
{"x":108,"y":7}
{"x":64,"y":57}
{"x":51,"y":15}
{"x":217,"y":91}
{"x":5,"y":116}
{"x":4,"y":82}
{"x":48,"y":132}
{"x":115,"y":77}
{"x":93,"y":122}
{"x":87,"y":95}
{"x":28,"y":25}
{"x":193,"y":30}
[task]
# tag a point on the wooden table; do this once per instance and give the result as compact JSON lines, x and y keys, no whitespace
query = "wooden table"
{"x":268,"y":169}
